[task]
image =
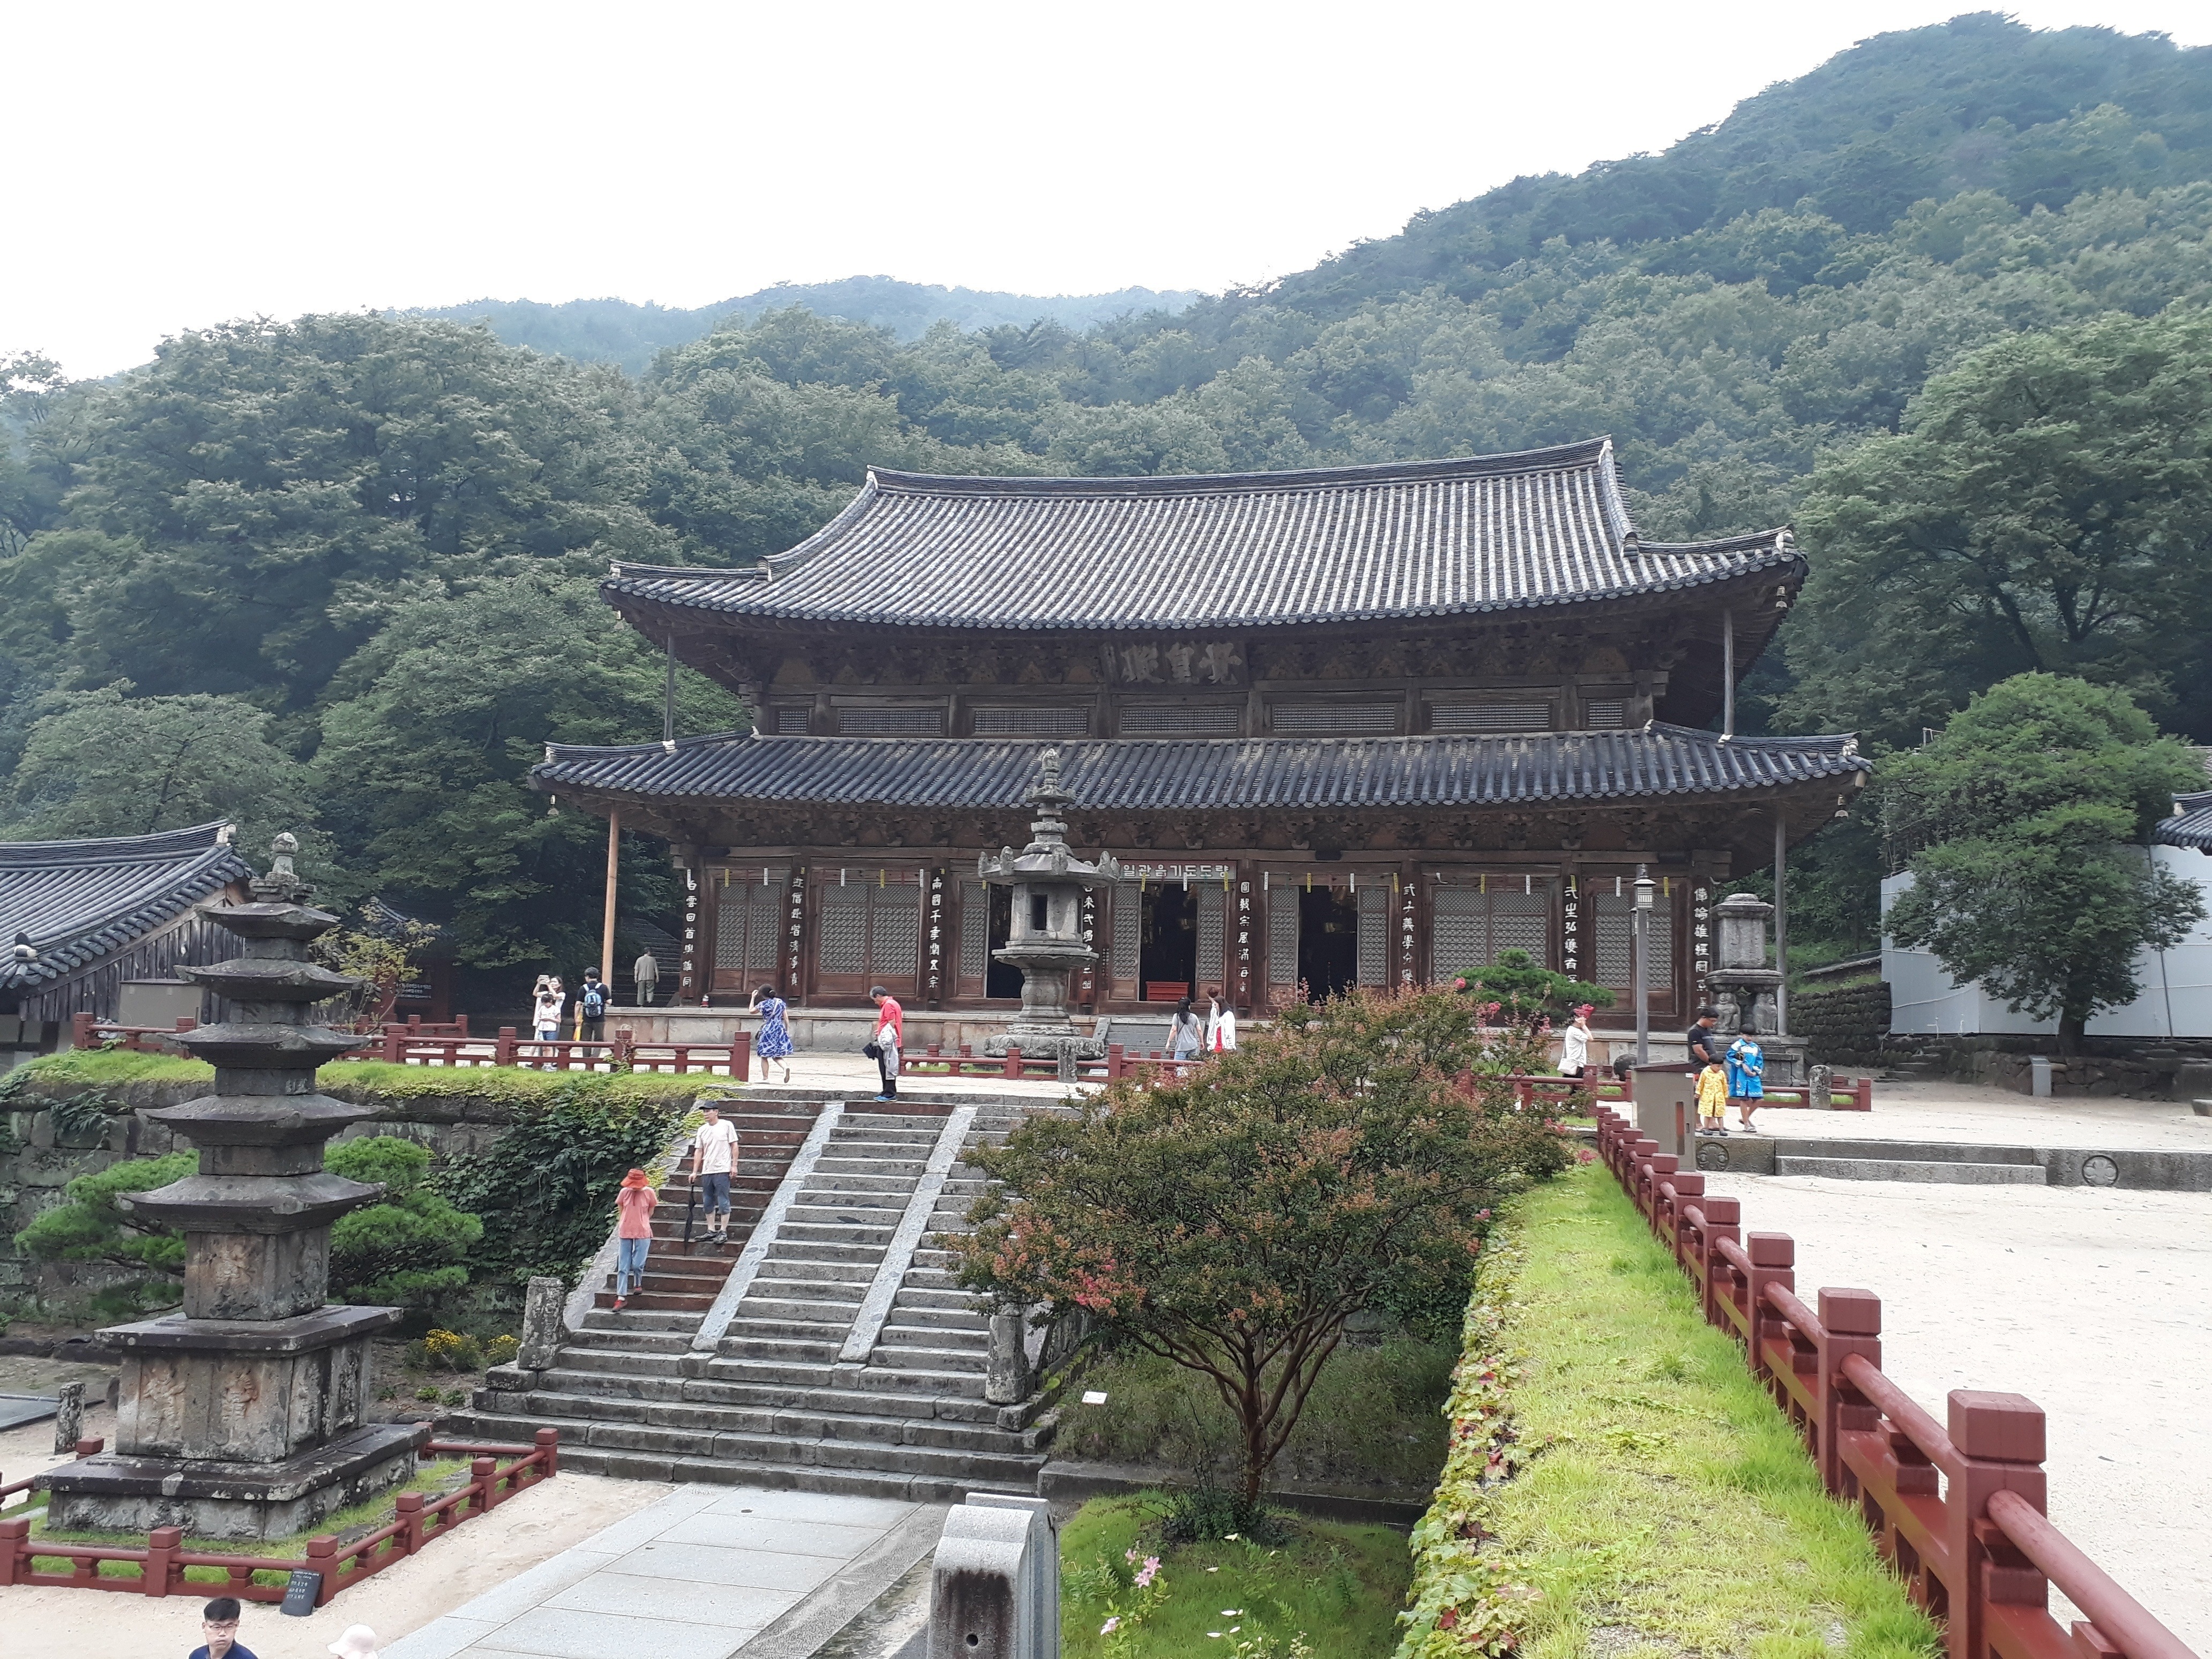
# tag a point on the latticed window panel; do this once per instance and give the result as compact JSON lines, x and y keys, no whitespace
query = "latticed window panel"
{"x":732,"y":910}
{"x":1458,"y":931}
{"x":1522,"y":921}
{"x":1471,"y":926}
{"x":975,"y":930}
{"x":1208,"y":966}
{"x":842,"y":942}
{"x":1054,"y":719}
{"x":1605,"y":713}
{"x":1182,"y":720}
{"x":891,"y":721}
{"x":1489,"y":716}
{"x":897,"y":917}
{"x":1292,"y":719}
{"x":1283,"y":936}
{"x":747,"y":932}
{"x":1128,"y":922}
{"x":1375,"y":912}
{"x":1616,"y":957}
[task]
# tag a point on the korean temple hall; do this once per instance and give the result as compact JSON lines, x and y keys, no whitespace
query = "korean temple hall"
{"x":1357,"y":724}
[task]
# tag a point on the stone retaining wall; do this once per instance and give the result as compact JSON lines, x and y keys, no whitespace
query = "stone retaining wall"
{"x":1844,"y":1025}
{"x":37,"y":1162}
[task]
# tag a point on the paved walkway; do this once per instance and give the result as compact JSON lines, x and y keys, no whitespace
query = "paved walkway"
{"x":1978,"y":1115}
{"x":2090,"y":1301}
{"x":706,"y":1572}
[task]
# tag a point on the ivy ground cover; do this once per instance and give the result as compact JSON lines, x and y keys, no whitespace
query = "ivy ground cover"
{"x":1618,"y":1482}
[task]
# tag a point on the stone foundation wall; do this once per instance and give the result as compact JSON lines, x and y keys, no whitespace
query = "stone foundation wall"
{"x":37,"y":1160}
{"x":1843,"y":1026}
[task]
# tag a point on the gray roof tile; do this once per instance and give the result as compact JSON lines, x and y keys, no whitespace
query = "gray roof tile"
{"x":1541,"y":527}
{"x":1206,"y":774}
{"x":79,"y":900}
{"x":2190,"y":824}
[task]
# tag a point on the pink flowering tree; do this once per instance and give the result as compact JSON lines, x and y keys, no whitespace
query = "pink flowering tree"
{"x":1233,"y":1223}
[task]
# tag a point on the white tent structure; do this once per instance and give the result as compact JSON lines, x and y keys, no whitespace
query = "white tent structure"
{"x":2177,"y":984}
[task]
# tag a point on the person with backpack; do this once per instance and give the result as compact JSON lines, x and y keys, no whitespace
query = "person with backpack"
{"x":591,"y":1007}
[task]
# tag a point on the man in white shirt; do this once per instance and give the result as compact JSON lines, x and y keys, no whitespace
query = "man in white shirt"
{"x":714,"y":1157}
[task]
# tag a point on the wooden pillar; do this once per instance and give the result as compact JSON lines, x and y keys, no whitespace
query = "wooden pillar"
{"x":607,"y":920}
{"x":1728,"y":673}
{"x":1781,"y":924}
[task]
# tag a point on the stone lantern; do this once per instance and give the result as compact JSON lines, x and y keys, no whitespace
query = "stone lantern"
{"x":244,"y":1413}
{"x":1045,"y":939}
{"x":1743,"y":985}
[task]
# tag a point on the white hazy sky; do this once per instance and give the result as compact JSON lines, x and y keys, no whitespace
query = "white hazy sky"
{"x":173,"y":165}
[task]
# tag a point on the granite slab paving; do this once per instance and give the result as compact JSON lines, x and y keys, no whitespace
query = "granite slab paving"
{"x":706,"y":1572}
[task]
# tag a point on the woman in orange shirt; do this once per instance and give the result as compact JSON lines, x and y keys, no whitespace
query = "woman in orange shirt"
{"x":634,"y":1205}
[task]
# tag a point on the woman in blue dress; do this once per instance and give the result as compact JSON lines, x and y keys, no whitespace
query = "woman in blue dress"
{"x":774,"y":1040}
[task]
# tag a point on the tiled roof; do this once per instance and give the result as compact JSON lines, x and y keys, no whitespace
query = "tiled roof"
{"x":1498,"y":532}
{"x":79,"y":900}
{"x":1205,"y":773}
{"x":2190,"y":824}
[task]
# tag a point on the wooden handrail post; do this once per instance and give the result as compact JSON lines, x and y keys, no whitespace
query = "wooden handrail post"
{"x":14,"y":1559}
{"x":82,"y":1035}
{"x":1773,"y":1259}
{"x":2000,"y":1442}
{"x":323,"y":1558}
{"x":1013,"y":1062}
{"x":481,"y":1481}
{"x":1723,"y":1219}
{"x":741,"y":1057}
{"x":1685,"y":1186}
{"x":162,"y":1547}
{"x":1115,"y":1053}
{"x":410,"y":1517}
{"x":503,"y":1047}
{"x":548,"y":1449}
{"x":1852,"y":1320}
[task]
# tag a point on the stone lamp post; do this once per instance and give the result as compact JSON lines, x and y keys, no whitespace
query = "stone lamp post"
{"x":1743,"y":985}
{"x":1045,"y":939}
{"x":244,"y":1415}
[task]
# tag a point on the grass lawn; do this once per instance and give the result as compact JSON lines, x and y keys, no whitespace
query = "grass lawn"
{"x":1337,"y":1585}
{"x":434,"y":1480}
{"x":1664,"y":1506}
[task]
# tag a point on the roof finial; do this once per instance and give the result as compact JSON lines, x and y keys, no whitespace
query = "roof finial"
{"x":282,"y":885}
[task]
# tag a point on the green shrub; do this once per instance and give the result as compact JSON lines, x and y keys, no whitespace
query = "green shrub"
{"x":410,"y":1248}
{"x":88,"y":1225}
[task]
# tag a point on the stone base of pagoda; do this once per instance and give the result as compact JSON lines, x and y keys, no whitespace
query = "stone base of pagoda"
{"x":211,"y":1499}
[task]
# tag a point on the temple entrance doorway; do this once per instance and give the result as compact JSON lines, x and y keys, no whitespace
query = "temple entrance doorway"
{"x":1000,"y":979}
{"x":1329,"y":942}
{"x":1168,"y":953}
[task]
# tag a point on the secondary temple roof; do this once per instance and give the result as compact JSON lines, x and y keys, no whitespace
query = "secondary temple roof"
{"x":2190,"y":824}
{"x":77,"y":900}
{"x":1202,"y":774}
{"x":1426,"y":538}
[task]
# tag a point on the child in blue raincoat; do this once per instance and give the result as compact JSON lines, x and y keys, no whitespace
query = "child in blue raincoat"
{"x":1747,"y":1071}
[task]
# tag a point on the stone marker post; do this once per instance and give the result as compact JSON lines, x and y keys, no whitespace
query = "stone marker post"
{"x":69,"y":1416}
{"x":994,"y":1588}
{"x":244,"y":1415}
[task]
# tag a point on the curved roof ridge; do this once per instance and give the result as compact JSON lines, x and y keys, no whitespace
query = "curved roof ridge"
{"x":1583,"y":453}
{"x":160,"y":844}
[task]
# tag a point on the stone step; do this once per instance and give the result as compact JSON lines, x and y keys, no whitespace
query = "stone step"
{"x":928,"y":1353}
{"x":1953,"y":1172}
{"x":631,"y":1321}
{"x":870,"y":1427}
{"x":836,"y":1232}
{"x":858,"y":1483}
{"x":619,"y":1362}
{"x":793,"y":1251}
{"x":753,"y":1449}
{"x":617,"y":1338}
{"x":966,"y":1315}
{"x":777,"y":1303}
{"x":912,"y":1295}
{"x":820,"y":1349}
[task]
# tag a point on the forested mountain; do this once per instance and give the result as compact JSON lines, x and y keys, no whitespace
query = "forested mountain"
{"x":617,"y":331}
{"x":1942,"y":301}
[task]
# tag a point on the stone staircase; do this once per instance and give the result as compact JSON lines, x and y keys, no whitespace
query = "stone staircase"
{"x":850,"y":1363}
{"x":683,"y":1280}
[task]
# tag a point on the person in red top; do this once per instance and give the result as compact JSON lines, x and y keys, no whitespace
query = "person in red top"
{"x":634,"y":1203}
{"x":890,"y":1038}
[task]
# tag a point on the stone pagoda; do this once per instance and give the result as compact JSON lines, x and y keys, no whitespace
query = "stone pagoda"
{"x":244,"y":1413}
{"x":1045,"y":939}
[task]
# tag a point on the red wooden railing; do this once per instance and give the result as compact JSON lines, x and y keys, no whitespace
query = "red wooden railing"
{"x":87,"y":1032}
{"x":163,"y":1562}
{"x":1957,"y":1507}
{"x":401,"y":1045}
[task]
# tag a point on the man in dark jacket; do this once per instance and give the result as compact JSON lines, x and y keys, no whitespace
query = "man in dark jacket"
{"x":592,"y":1001}
{"x":1708,"y":1046}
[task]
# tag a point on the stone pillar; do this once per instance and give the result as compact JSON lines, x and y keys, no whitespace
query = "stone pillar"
{"x":69,"y":1416}
{"x":244,"y":1413}
{"x":541,"y":1322}
{"x":994,"y":1585}
{"x":1006,"y":1381}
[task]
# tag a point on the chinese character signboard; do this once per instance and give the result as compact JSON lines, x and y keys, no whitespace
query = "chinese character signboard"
{"x":688,"y":982}
{"x":935,"y":976}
